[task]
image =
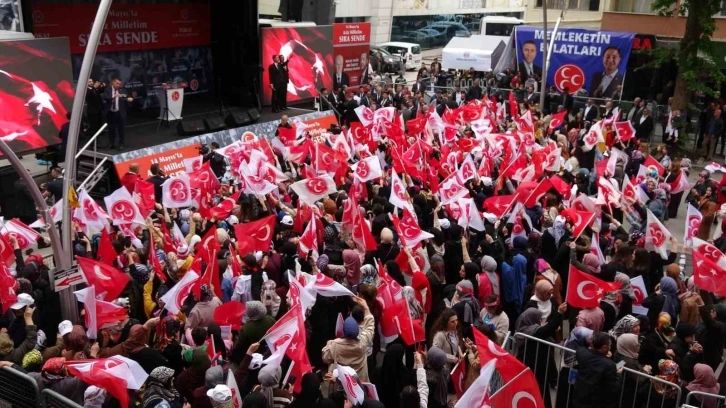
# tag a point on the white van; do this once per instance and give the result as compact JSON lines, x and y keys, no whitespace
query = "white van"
{"x":411,"y":52}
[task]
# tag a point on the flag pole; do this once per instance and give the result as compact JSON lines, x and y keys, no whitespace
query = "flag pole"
{"x":289,"y":370}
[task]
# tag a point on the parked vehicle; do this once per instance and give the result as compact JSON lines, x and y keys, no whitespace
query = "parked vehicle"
{"x":410,"y":52}
{"x":390,"y":62}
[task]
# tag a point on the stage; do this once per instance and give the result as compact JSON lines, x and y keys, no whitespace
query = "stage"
{"x":141,"y":126}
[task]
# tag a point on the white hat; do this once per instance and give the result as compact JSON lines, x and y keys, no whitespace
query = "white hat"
{"x":232,"y":220}
{"x":220,"y":393}
{"x":444,"y":223}
{"x":286,"y":220}
{"x":65,"y":327}
{"x":487,"y":181}
{"x":259,"y":255}
{"x":24,"y":299}
{"x":490,"y":217}
{"x":256,"y":361}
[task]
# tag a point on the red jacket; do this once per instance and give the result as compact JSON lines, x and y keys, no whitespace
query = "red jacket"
{"x":129,"y":181}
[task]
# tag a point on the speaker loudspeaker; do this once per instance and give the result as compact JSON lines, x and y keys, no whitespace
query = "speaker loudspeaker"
{"x":214,"y":123}
{"x":237,"y":119}
{"x":188,"y":128}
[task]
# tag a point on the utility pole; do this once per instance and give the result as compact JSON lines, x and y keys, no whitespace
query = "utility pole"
{"x":545,"y":57}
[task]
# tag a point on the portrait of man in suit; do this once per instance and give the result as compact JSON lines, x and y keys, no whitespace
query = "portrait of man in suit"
{"x":605,"y":83}
{"x":364,"y":75}
{"x":340,"y":78}
{"x":527,"y":68}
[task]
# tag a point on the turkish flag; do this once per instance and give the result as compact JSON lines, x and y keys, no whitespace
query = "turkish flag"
{"x":542,"y":188}
{"x":411,"y":330}
{"x":255,"y":236}
{"x":7,"y":288}
{"x":298,"y":153}
{"x":651,"y":162}
{"x":558,"y":119}
{"x":514,"y":107}
{"x":174,"y":298}
{"x":524,"y":387}
{"x":104,"y":278}
{"x":507,"y":365}
{"x":99,"y":314}
{"x":225,"y":207}
{"x":580,"y":220}
{"x":106,"y":252}
{"x":624,"y":130}
{"x":286,"y":135}
{"x":458,"y":374}
{"x":115,"y":375}
{"x":235,"y":264}
{"x":7,"y":255}
{"x":210,"y":278}
{"x":145,"y":197}
{"x":585,"y":291}
{"x":208,"y":244}
{"x":562,"y":187}
{"x":680,"y":184}
{"x":477,"y":394}
{"x":707,"y":274}
{"x":362,"y":233}
{"x":499,"y":205}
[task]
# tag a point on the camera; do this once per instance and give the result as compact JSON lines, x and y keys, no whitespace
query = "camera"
{"x":203,"y":149}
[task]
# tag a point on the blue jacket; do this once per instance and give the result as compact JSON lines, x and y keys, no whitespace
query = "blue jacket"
{"x":514,"y":279}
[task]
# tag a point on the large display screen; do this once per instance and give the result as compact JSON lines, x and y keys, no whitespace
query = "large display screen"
{"x":308,"y":52}
{"x":36,"y":92}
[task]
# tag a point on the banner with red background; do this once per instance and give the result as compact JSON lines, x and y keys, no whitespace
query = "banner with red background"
{"x":351,"y":45}
{"x":128,"y":26}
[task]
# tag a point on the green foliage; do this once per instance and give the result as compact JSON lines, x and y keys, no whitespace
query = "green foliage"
{"x":695,"y":54}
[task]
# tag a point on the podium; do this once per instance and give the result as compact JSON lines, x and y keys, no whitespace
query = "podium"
{"x":171,"y":101}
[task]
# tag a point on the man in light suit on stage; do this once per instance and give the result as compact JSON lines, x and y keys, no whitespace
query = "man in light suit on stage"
{"x":115,"y":100}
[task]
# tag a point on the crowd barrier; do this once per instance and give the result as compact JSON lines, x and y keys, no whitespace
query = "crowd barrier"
{"x":692,"y":401}
{"x":18,"y":390}
{"x":633,"y":391}
{"x":55,"y":400}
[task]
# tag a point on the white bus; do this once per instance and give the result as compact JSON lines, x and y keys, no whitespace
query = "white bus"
{"x":499,"y":26}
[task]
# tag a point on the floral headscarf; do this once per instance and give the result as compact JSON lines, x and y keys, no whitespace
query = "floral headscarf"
{"x":54,"y":369}
{"x":624,"y":326}
{"x":668,"y":371}
{"x":159,"y":385}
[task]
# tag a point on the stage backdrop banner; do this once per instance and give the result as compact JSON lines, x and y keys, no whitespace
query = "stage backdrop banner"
{"x":143,"y":72}
{"x":311,"y":65}
{"x":587,"y":62}
{"x":36,"y":92}
{"x":170,"y":156}
{"x":128,"y":26}
{"x":351,"y":45}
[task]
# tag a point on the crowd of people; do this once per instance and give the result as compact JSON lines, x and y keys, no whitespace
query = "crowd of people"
{"x":389,"y":263}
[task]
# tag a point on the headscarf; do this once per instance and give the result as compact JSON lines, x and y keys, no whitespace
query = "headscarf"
{"x":624,"y":326}
{"x":541,"y":289}
{"x":705,"y":381}
{"x":94,"y":397}
{"x":579,"y":337}
{"x":691,"y":288}
{"x":135,"y":342}
{"x":663,"y":326}
{"x":394,"y":375}
{"x":414,"y":307}
{"x":158,"y":385}
{"x":544,"y":269}
{"x":368,"y":275}
{"x":54,"y":370}
{"x":519,"y":242}
{"x":625,"y":288}
{"x":77,"y":339}
{"x":351,"y":259}
{"x":669,"y":289}
{"x":685,"y":330}
{"x":667,"y":371}
{"x":310,"y":392}
{"x":590,"y":260}
{"x":489,"y":267}
{"x":529,"y":321}
{"x":629,"y":345}
{"x":592,"y":318}
{"x":557,"y":230}
{"x":438,"y":375}
{"x":32,"y":360}
{"x":269,"y":378}
{"x":166,"y":332}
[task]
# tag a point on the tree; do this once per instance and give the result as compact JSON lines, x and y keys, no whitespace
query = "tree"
{"x":694,"y":57}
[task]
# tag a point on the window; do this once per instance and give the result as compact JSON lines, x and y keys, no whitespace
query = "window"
{"x":350,"y":19}
{"x":634,"y":6}
{"x":502,"y":29}
{"x":583,"y":5}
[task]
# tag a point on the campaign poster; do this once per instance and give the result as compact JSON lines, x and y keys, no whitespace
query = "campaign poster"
{"x":308,"y":53}
{"x":586,"y":62}
{"x":143,"y":72}
{"x":36,"y":92}
{"x":128,"y":27}
{"x":351,"y":45}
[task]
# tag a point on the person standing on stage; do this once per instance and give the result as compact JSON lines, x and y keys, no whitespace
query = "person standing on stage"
{"x":275,"y":72}
{"x":94,"y":106}
{"x":115,"y":111}
{"x":285,"y":80}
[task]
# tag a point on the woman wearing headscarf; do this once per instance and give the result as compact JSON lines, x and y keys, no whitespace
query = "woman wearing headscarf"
{"x":704,"y":381}
{"x":627,"y":350}
{"x":269,"y":378}
{"x":309,"y":393}
{"x":466,"y":306}
{"x":655,"y":345}
{"x":688,"y":351}
{"x":167,"y":342}
{"x":627,"y":325}
{"x":393,"y":377}
{"x":202,"y":313}
{"x":530,"y":352}
{"x":54,"y":376}
{"x":94,"y":397}
{"x":668,"y":295}
{"x":136,"y":349}
{"x":489,"y":268}
{"x":553,"y":237}
{"x":666,"y":395}
{"x":213,"y":377}
{"x":592,"y":318}
{"x":690,"y":302}
{"x":545,"y":272}
{"x":579,"y":337}
{"x":437,"y":378}
{"x":514,"y":281}
{"x":626,"y":295}
{"x":712,"y":332}
{"x":351,"y":260}
{"x":159,"y":387}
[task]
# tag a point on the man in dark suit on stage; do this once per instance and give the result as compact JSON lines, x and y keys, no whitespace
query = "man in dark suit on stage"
{"x":114,"y":110}
{"x":340,"y":78}
{"x":279,"y":87}
{"x":604,"y":83}
{"x":527,"y":68}
{"x":591,"y":111}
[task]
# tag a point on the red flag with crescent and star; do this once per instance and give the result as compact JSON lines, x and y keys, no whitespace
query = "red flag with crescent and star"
{"x":524,"y":387}
{"x":255,"y":236}
{"x":585,"y":291}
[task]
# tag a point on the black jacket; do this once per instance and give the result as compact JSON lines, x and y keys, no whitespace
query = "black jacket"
{"x":157,"y":181}
{"x":597,"y":381}
{"x":645,"y":128}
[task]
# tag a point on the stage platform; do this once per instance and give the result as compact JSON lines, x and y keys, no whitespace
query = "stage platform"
{"x":143,"y":130}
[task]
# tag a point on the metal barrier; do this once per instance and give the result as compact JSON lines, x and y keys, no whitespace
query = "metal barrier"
{"x":563,"y":400}
{"x":693,"y":394}
{"x":55,"y":400}
{"x":18,"y":389}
